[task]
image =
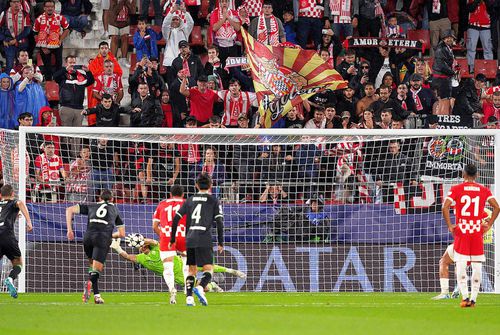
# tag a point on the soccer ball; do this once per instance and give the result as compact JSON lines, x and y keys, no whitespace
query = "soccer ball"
{"x":135,"y":240}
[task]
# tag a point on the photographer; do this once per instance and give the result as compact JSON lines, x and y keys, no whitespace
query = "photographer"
{"x":73,"y":81}
{"x":145,"y":109}
{"x":194,"y":66}
{"x":147,"y":72}
{"x":317,"y":226}
{"x":348,"y":68}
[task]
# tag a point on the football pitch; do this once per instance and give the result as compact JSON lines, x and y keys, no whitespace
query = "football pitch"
{"x":248,"y":313}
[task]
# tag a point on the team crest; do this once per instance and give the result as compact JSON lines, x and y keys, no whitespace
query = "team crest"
{"x":450,"y":148}
{"x":278,"y":80}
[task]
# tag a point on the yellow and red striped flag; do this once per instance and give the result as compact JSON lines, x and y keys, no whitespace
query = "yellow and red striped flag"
{"x":285,"y":76}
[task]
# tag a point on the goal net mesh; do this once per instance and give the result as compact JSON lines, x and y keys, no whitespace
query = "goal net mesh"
{"x":302,"y":213}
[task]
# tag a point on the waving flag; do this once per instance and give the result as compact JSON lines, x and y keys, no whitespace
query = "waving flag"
{"x":284,"y":77}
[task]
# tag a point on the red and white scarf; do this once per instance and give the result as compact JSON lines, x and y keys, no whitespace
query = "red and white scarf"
{"x":79,"y":177}
{"x":436,"y":6}
{"x":341,"y":10}
{"x":110,"y":84}
{"x":193,"y":155}
{"x":416,"y":98}
{"x":208,"y":169}
{"x":15,"y":22}
{"x":49,"y":169}
{"x":234,"y":107}
{"x":353,"y":158}
{"x":226,"y":31}
{"x":253,"y":7}
{"x":404,"y":105}
{"x":271,"y":36}
{"x":496,"y":111}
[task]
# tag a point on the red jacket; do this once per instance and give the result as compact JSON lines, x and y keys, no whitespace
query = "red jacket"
{"x":479,"y":16}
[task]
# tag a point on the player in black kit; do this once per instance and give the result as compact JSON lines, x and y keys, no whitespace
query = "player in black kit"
{"x":9,"y":210}
{"x":103,"y":217}
{"x":201,"y":210}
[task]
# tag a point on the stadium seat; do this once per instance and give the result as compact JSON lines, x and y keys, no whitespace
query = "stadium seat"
{"x":161,"y":42}
{"x":133,"y":61}
{"x":196,"y":39}
{"x":161,"y":69}
{"x":52,"y":91}
{"x":420,"y":34}
{"x":39,"y":61}
{"x":486,"y":67}
{"x":459,"y":47}
{"x":464,"y":67}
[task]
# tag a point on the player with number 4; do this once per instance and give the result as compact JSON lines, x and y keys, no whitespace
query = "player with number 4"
{"x":201,"y":210}
{"x":103,"y":217}
{"x":469,"y":198}
{"x":163,"y":218}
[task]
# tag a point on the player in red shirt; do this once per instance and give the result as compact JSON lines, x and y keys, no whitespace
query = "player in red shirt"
{"x":469,"y":198}
{"x":162,"y":225}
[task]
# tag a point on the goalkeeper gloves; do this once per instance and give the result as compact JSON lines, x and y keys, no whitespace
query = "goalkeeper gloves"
{"x":115,"y":245}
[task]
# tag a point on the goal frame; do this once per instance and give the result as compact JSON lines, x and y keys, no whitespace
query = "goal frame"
{"x":387,"y":133}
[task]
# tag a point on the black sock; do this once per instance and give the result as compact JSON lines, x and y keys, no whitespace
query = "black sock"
{"x":189,"y":285}
{"x":94,"y":277}
{"x":16,"y":270}
{"x":205,"y":279}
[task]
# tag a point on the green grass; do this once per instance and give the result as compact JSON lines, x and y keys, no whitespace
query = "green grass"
{"x":248,"y":313}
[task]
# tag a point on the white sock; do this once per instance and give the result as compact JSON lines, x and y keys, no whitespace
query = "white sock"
{"x":444,"y":282}
{"x":477,"y":271}
{"x":168,"y":275}
{"x":185,"y":267}
{"x":461,"y":268}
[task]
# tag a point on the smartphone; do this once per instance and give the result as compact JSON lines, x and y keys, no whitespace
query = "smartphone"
{"x":30,"y":62}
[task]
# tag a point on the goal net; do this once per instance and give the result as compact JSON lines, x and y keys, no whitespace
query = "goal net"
{"x":304,"y":211}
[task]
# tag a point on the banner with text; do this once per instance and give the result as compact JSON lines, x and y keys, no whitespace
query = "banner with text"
{"x":269,"y":268}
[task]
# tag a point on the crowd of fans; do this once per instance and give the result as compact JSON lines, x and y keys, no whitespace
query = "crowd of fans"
{"x":176,"y":81}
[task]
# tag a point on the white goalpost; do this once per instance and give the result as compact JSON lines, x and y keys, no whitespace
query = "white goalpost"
{"x":304,"y":210}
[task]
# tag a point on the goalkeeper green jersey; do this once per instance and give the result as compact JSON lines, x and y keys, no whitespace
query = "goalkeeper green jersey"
{"x":152,"y":261}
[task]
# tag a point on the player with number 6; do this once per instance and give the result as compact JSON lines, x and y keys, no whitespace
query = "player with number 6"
{"x":103,"y":217}
{"x":469,"y":199}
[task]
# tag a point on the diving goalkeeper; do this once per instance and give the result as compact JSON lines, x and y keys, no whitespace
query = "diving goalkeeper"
{"x":149,"y":258}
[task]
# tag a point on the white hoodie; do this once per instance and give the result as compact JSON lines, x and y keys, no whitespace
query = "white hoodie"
{"x":173,"y":36}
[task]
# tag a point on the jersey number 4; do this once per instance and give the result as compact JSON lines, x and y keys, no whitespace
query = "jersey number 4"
{"x":196,"y":215}
{"x":467,"y":201}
